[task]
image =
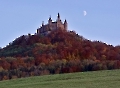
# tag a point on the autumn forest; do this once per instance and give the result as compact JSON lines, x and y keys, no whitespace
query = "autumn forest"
{"x":56,"y":53}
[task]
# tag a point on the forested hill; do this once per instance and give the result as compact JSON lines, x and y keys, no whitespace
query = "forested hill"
{"x":58,"y":52}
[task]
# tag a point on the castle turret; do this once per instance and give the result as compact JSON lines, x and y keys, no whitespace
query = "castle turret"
{"x":49,"y":23}
{"x":58,"y":17}
{"x":65,"y":24}
{"x":49,"y":20}
{"x":42,"y":23}
{"x":58,"y":21}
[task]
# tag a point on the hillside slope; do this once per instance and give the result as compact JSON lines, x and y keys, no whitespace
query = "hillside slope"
{"x":58,"y":52}
{"x":99,"y":79}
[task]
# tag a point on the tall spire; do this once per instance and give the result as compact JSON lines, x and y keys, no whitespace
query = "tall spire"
{"x":65,"y":24}
{"x":58,"y":16}
{"x":65,"y":21}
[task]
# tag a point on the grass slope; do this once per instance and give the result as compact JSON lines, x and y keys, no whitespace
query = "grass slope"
{"x":95,"y":79}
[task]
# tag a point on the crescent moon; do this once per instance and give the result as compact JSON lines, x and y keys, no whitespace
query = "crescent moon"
{"x":84,"y":13}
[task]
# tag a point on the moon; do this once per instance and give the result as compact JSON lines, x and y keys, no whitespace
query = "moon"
{"x":84,"y":13}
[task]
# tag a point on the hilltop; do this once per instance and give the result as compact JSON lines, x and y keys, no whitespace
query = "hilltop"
{"x":58,"y":52}
{"x":55,"y":50}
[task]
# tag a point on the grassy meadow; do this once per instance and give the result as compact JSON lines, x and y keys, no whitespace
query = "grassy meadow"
{"x":94,"y":79}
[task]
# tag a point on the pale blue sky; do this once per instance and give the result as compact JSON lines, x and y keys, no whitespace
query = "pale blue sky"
{"x":20,"y":17}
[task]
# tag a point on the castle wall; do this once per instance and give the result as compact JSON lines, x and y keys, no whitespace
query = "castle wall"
{"x":53,"y":26}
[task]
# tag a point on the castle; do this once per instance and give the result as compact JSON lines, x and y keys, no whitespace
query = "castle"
{"x":46,"y":29}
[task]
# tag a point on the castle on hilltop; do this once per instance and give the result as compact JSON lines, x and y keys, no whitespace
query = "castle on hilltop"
{"x":47,"y":28}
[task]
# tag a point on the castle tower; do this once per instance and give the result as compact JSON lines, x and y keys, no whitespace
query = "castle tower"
{"x":42,"y":23}
{"x":58,"y":17}
{"x":65,"y":24}
{"x":49,"y":20}
{"x":58,"y":21}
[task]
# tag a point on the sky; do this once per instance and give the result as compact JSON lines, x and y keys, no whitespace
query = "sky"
{"x":92,"y":19}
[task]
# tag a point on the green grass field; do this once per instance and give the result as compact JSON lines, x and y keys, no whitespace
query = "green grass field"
{"x":95,"y":79}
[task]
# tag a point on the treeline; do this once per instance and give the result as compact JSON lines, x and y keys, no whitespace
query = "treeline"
{"x":28,"y":66}
{"x":58,"y":52}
